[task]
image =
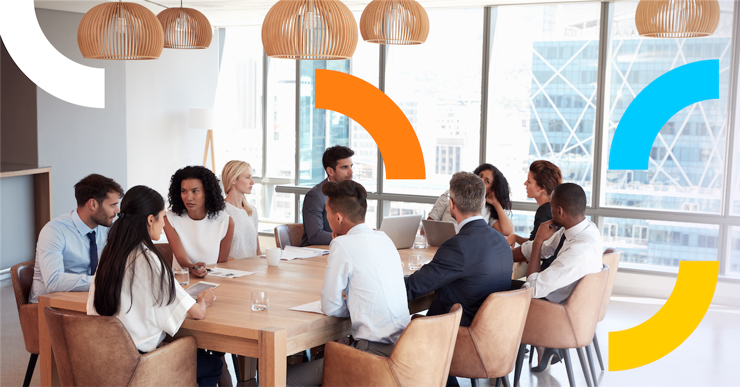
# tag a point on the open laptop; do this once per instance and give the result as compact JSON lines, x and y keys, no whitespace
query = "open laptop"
{"x":401,"y":229}
{"x":438,"y":232}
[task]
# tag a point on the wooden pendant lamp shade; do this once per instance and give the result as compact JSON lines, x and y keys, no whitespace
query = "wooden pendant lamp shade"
{"x":394,"y":22}
{"x":120,"y":31}
{"x":185,"y":28}
{"x":677,"y":18}
{"x":309,"y":29}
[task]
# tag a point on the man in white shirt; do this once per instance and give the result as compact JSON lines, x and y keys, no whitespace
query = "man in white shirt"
{"x":361,"y":262}
{"x":563,"y":256}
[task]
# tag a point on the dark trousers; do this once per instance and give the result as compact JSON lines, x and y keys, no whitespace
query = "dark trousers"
{"x":209,"y":369}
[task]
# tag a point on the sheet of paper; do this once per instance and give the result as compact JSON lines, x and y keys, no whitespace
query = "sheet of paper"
{"x":228,"y":273}
{"x":312,"y":307}
{"x":194,"y":290}
{"x":292,"y":252}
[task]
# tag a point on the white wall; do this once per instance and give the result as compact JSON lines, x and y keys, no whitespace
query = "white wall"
{"x":76,"y":141}
{"x":17,"y":227}
{"x":159,"y":94}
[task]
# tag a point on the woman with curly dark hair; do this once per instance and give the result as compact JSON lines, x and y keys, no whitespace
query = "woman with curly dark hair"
{"x":497,"y":204}
{"x":198,"y":229}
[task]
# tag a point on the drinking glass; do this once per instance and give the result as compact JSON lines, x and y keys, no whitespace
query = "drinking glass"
{"x":182,"y":276}
{"x":260,"y":300}
{"x":420,"y":242}
{"x":415,"y":261}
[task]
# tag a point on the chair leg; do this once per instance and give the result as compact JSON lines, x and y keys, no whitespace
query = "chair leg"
{"x":29,"y":370}
{"x":566,"y":357}
{"x":591,"y":365}
{"x":598,"y":352}
{"x":473,"y":382}
{"x":498,"y":382}
{"x":505,"y":380}
{"x":519,"y":364}
{"x":584,"y":366}
{"x":236,"y":367}
{"x":531,"y":355}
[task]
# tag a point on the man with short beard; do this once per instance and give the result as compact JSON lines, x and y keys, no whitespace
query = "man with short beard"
{"x":69,"y":246}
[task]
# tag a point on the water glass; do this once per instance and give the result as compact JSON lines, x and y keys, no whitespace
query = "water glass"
{"x":260,"y":300}
{"x":415,"y":261}
{"x":182,"y":276}
{"x":420,"y":242}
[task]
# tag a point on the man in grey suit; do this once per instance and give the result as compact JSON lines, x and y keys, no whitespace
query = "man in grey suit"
{"x":337,"y":162}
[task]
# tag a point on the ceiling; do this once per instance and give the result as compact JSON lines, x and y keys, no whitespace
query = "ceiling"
{"x":223,"y":13}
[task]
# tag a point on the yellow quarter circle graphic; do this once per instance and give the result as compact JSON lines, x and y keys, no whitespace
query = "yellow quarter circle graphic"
{"x":674,"y":322}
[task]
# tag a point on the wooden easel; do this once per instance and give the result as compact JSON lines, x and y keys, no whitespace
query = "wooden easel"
{"x":209,"y":140}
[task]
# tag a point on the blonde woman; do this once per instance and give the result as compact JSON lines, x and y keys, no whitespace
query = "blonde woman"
{"x":238,"y":182}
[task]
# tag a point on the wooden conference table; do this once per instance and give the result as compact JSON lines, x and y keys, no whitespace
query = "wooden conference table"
{"x":231,"y":326}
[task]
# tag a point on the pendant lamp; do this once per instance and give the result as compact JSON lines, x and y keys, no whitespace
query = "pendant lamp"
{"x":394,"y":22}
{"x":120,"y":31}
{"x":185,"y":28}
{"x":309,"y":29}
{"x":677,"y":18}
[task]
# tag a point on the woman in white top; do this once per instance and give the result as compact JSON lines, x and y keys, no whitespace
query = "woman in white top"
{"x":238,"y":182}
{"x":497,"y":204}
{"x":135,"y":283}
{"x":198,"y":229}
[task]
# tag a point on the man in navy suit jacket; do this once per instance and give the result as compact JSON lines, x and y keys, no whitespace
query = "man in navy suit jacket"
{"x":470,"y":266}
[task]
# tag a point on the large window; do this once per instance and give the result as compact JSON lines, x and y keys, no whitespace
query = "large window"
{"x":687,"y":158}
{"x":239,"y":100}
{"x":320,"y":129}
{"x":542,"y":90}
{"x":660,"y":245}
{"x":437,"y":85}
{"x":558,"y":78}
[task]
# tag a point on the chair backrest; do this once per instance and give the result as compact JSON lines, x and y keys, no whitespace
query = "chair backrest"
{"x":423,"y":353}
{"x":288,"y":235}
{"x":166,"y":251}
{"x":584,"y":305}
{"x":497,"y":330}
{"x":91,"y":350}
{"x":22,"y":277}
{"x":611,"y":258}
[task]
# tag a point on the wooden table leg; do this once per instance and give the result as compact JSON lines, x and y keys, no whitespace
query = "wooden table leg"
{"x":48,"y":367}
{"x":273,"y":348}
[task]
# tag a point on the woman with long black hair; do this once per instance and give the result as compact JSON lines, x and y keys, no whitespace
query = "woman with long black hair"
{"x":498,"y":202}
{"x":135,"y":283}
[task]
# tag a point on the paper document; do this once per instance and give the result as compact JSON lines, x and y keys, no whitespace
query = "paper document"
{"x":292,"y":252}
{"x":194,"y":290}
{"x":312,"y":307}
{"x":228,"y":273}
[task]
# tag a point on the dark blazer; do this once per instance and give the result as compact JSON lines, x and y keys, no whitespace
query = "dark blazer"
{"x":316,"y":229}
{"x":466,"y":269}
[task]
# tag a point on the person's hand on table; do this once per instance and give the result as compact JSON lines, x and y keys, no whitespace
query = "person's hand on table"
{"x":199,"y":270}
{"x":207,"y":296}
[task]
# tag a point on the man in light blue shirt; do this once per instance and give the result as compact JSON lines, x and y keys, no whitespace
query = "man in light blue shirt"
{"x":69,"y":246}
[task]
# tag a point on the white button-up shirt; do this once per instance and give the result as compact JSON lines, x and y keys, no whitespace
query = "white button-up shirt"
{"x":365,"y":264}
{"x":579,"y":256}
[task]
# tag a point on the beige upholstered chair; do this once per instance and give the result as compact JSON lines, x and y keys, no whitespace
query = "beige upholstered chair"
{"x":288,"y":235}
{"x":421,"y":357}
{"x":98,"y":351}
{"x":488,"y":347}
{"x":611,"y":258}
{"x":565,"y":326}
{"x":22,"y":277}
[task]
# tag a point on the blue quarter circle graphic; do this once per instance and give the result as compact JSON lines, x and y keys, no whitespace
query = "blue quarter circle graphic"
{"x":655,"y":105}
